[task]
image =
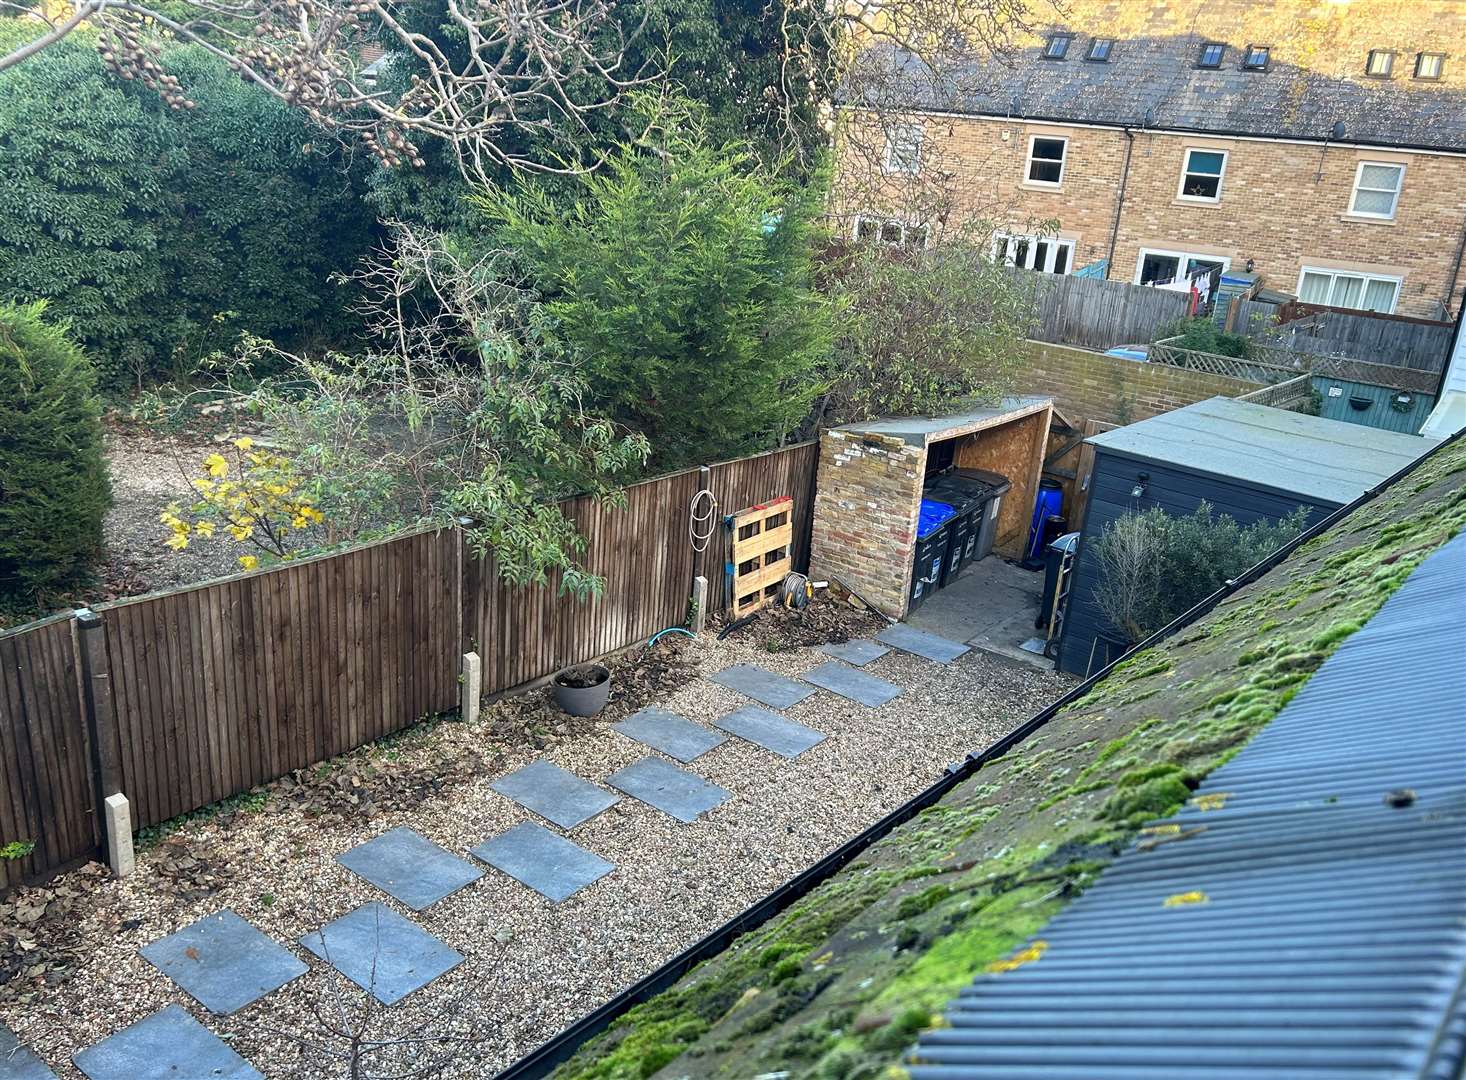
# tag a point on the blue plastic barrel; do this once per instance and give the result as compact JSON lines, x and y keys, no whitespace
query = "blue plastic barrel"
{"x":1050,"y":504}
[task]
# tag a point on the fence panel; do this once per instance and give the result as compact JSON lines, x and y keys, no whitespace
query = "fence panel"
{"x":1377,"y":339}
{"x":1097,"y":314}
{"x":223,"y":686}
{"x":46,"y":793}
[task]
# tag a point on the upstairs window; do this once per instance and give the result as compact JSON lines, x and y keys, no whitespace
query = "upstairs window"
{"x":903,"y":148}
{"x":1046,"y":160}
{"x":1376,"y":189}
{"x":1255,"y":58}
{"x":1429,"y":65}
{"x":1099,"y":50}
{"x":1380,"y":65}
{"x":1201,"y":175}
{"x":1212,"y":54}
{"x":1057,"y":47}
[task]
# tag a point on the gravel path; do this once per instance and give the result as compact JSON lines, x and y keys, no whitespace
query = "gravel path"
{"x":532,"y":967}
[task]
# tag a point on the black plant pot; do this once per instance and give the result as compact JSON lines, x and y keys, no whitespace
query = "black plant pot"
{"x":583,"y":700}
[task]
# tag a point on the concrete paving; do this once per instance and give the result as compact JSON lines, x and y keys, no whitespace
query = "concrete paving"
{"x":671,"y":734}
{"x":548,"y":863}
{"x":859,"y":652}
{"x":168,"y":1045}
{"x":855,"y":685}
{"x":770,"y":730}
{"x":409,"y":867}
{"x":555,"y":794}
{"x":670,"y":789}
{"x":991,"y":606}
{"x":763,"y":686}
{"x":18,"y":1063}
{"x":223,"y":962}
{"x":380,"y":951}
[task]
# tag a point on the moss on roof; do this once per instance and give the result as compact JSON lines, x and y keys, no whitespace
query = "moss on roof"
{"x":838,"y":986}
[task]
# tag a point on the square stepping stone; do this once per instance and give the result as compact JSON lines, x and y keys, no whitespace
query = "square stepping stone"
{"x":555,"y":794}
{"x":671,"y":734}
{"x":548,"y":863}
{"x":18,"y":1063}
{"x":223,"y":962}
{"x":858,"y":686}
{"x":670,"y":789}
{"x":932,"y":646}
{"x":407,"y":866}
{"x":169,"y":1045}
{"x":383,"y":953}
{"x":859,"y":652}
{"x":770,"y":730}
{"x":773,"y":690}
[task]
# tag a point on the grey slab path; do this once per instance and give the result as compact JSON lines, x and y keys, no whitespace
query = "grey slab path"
{"x":670,"y":789}
{"x":773,"y":690}
{"x":18,"y":1063}
{"x":859,"y":652}
{"x":909,"y":639}
{"x":673,"y":735}
{"x":545,"y":861}
{"x":409,"y":867}
{"x":223,"y":962}
{"x":770,"y":730}
{"x":858,"y":686}
{"x":383,"y":953}
{"x":168,"y":1045}
{"x":555,"y":794}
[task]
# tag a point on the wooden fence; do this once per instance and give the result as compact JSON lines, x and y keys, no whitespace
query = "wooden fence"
{"x":1096,"y":314}
{"x":1377,"y":339}
{"x":183,"y":698}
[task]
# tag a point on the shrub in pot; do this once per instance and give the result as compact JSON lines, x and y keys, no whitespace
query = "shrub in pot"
{"x":583,"y":691}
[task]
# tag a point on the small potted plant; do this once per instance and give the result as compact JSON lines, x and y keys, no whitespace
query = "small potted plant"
{"x":583,"y":690}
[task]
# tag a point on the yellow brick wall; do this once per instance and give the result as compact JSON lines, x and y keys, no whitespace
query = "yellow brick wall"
{"x":1282,"y":205}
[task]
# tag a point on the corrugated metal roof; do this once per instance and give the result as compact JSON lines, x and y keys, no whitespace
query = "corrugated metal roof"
{"x":1270,"y":448}
{"x":1331,"y":941}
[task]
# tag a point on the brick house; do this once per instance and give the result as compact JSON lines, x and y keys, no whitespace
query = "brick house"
{"x":1321,"y":144}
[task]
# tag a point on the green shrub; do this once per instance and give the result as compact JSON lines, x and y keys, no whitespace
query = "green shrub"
{"x":141,"y":223}
{"x":1155,"y":565}
{"x":53,"y":480}
{"x":1202,"y":335}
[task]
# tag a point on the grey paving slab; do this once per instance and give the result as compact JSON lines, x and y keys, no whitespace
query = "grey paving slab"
{"x":773,"y":690}
{"x":555,"y":794}
{"x":18,"y":1063}
{"x":770,"y":730}
{"x":673,"y":735}
{"x":858,"y":686}
{"x":859,"y":652}
{"x":383,"y":953}
{"x":909,"y":639}
{"x":670,"y":789}
{"x":168,"y":1045}
{"x":545,"y":861}
{"x":223,"y":962}
{"x":409,"y":867}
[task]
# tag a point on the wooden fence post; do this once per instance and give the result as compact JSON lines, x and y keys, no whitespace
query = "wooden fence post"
{"x":115,"y":824}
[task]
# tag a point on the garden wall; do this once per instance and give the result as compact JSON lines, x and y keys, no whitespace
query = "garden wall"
{"x":183,"y":698}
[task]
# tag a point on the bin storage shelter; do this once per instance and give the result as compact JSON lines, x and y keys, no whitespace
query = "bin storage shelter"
{"x":1252,"y":462}
{"x":873,"y":475}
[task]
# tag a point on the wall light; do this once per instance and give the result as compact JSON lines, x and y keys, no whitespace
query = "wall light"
{"x":1138,"y":491}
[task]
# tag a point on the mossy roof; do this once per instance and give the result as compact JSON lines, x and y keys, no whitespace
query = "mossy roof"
{"x":839,"y":985}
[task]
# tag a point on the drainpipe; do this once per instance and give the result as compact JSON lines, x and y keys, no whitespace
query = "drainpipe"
{"x":1120,"y":204}
{"x":1456,"y":270}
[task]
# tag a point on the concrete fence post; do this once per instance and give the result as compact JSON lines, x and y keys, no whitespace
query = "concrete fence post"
{"x":112,"y":807}
{"x":473,"y":686}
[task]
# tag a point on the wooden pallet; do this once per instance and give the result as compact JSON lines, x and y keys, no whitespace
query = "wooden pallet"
{"x":763,"y":539}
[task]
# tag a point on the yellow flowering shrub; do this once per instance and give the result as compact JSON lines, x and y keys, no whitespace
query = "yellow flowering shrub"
{"x":257,"y":498}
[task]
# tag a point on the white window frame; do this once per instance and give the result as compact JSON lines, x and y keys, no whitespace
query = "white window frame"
{"x":881,"y":223}
{"x":1365,"y":275}
{"x":1186,"y":171}
{"x":891,"y":166}
{"x":1394,"y":203}
{"x":1054,"y":244}
{"x":1181,"y":257}
{"x":1063,"y":161}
